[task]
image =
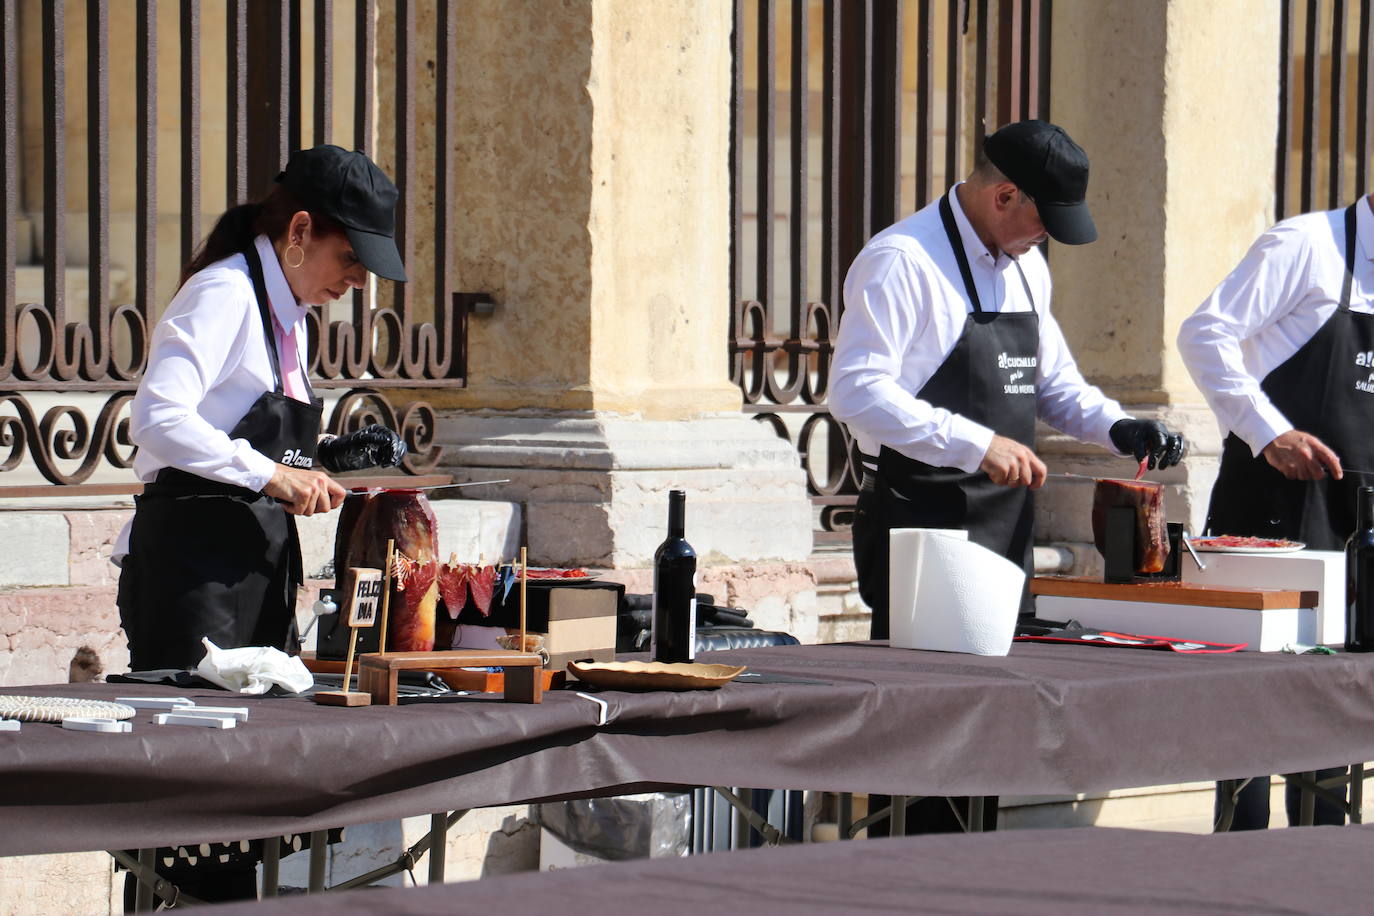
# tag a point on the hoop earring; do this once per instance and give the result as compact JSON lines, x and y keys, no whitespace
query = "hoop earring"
{"x":299,"y":261}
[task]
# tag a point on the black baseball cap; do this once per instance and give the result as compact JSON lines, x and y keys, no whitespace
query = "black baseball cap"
{"x":348,"y":187}
{"x":1042,"y":160}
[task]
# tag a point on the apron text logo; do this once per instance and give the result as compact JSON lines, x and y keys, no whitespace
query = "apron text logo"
{"x":293,"y":458}
{"x":1015,"y":362}
{"x":1018,"y":365}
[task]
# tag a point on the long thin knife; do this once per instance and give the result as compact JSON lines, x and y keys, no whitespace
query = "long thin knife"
{"x":433,"y":486}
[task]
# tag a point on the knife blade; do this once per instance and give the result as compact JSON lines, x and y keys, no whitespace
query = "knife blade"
{"x":433,"y":486}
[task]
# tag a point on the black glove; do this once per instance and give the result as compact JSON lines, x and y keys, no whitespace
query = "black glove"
{"x":1151,"y":438}
{"x":370,"y":447}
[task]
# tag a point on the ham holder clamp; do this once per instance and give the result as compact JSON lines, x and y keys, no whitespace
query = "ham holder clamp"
{"x":1129,"y":530}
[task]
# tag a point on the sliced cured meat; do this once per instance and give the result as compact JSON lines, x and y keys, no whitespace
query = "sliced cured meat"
{"x":401,"y":568}
{"x":557,"y":573}
{"x":482,"y":584}
{"x":1236,"y":540}
{"x":453,"y":586}
{"x":1147,"y":499}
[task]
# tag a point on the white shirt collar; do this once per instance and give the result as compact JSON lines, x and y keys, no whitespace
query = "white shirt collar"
{"x":1364,"y":227}
{"x":973,"y":245}
{"x":281,"y":299}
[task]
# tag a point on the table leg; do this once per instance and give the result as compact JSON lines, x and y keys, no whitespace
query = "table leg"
{"x":845,"y":815}
{"x":1227,"y":789}
{"x":975,"y":813}
{"x":319,"y":847}
{"x":438,"y":846}
{"x":143,"y":891}
{"x":1356,"y":793}
{"x":897,"y":819}
{"x":271,"y":866}
{"x":1307,"y":807}
{"x":743,"y":829}
{"x":524,"y":685}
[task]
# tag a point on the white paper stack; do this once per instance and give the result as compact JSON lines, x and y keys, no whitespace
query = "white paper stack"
{"x":950,"y":595}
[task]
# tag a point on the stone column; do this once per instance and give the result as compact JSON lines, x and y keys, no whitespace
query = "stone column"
{"x":593,"y":177}
{"x":1182,"y":144}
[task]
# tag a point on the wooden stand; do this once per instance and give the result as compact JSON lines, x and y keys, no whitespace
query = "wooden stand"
{"x":363,"y":591}
{"x":378,"y":672}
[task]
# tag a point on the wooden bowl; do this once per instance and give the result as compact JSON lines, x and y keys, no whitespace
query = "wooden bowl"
{"x":654,"y":675}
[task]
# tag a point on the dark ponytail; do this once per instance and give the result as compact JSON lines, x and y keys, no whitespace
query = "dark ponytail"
{"x":233,"y":232}
{"x":237,"y":227}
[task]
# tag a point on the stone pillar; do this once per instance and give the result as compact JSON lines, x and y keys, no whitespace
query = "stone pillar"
{"x":1182,"y":144}
{"x":593,"y":178}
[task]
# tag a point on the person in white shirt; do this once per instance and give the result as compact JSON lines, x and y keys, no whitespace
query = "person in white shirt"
{"x":1283,"y":350}
{"x":226,"y":424}
{"x":948,"y":352}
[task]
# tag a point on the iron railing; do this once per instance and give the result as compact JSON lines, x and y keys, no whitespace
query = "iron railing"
{"x":887,"y":146}
{"x":86,"y":362}
{"x":1324,"y":88}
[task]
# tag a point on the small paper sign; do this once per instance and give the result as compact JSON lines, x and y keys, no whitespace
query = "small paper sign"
{"x":364,"y":596}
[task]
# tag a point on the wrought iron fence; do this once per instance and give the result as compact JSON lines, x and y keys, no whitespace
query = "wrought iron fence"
{"x":887,"y":95}
{"x":1324,"y":89}
{"x":83,"y":362}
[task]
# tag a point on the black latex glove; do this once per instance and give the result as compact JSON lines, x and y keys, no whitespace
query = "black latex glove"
{"x":370,"y":447}
{"x":1148,"y":438}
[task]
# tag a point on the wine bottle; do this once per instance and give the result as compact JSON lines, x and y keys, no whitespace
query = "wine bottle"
{"x":1359,"y":578}
{"x":674,"y":628}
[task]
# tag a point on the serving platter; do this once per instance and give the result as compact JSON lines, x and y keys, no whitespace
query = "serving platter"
{"x":1219,"y":545}
{"x":654,"y":675}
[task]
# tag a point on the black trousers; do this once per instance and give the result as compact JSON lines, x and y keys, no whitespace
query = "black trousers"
{"x":1252,"y":804}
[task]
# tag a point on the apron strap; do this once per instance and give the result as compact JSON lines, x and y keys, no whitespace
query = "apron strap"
{"x":956,"y":243}
{"x":1349,"y":256}
{"x":260,"y":291}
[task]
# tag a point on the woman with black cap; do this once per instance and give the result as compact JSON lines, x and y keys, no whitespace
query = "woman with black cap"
{"x":228,"y":434}
{"x":226,"y":423}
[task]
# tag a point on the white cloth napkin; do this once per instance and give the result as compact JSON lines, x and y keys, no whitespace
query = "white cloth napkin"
{"x":253,"y":669}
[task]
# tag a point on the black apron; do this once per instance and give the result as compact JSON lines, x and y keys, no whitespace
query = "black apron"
{"x":212,"y":559}
{"x":988,"y":377}
{"x":1326,"y":388}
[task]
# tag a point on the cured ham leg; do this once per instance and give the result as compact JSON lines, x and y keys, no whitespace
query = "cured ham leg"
{"x":1147,"y":499}
{"x":405,"y":517}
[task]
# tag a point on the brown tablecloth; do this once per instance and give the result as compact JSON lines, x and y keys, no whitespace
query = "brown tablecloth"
{"x":1046,"y":719}
{"x":1092,"y":871}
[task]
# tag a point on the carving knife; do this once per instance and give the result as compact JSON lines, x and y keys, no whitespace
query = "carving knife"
{"x":433,"y":486}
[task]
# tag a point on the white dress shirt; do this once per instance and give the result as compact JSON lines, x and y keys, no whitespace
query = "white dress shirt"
{"x":207,"y":364}
{"x":1285,"y":288}
{"x":905,"y":309}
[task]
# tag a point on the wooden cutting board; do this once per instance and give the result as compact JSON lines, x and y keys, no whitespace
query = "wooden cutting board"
{"x":1255,"y":599}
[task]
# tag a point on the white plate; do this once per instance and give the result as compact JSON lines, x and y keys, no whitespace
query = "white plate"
{"x":1201,"y":546}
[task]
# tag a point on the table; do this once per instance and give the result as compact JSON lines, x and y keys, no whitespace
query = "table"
{"x":1083,"y":870}
{"x":1048,"y":719}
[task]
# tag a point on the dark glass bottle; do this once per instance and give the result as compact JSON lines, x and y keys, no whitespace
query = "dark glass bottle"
{"x":675,"y":590}
{"x":1359,"y":578}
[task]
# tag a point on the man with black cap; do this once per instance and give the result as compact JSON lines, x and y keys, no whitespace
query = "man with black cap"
{"x":947,"y":354}
{"x":1283,"y":350}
